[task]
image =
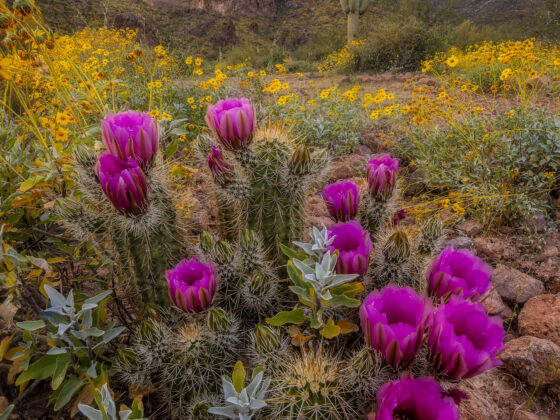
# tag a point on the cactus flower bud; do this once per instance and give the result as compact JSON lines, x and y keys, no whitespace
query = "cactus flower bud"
{"x":219,"y":320}
{"x":266,"y":339}
{"x":123,"y":182}
{"x":397,"y":247}
{"x":221,"y":171}
{"x":398,"y":216}
{"x":300,"y":161}
{"x":342,"y":199}
{"x":382,"y":175}
{"x":232,"y":121}
{"x":131,"y":134}
{"x":192,"y":285}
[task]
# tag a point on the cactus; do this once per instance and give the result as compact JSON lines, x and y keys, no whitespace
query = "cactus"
{"x":269,"y":188}
{"x":266,"y":343}
{"x":367,"y":372}
{"x":431,"y":233}
{"x":182,"y":356}
{"x":376,"y":214}
{"x":395,"y":261}
{"x":353,"y":9}
{"x":312,"y":385}
{"x":143,"y":243}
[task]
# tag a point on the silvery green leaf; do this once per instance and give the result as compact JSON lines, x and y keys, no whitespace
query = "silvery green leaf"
{"x":253,"y":387}
{"x":97,"y":298}
{"x":110,"y":334}
{"x":245,"y":416}
{"x":125,"y":414}
{"x":341,"y":279}
{"x":56,"y":350}
{"x":326,"y":295}
{"x":87,"y":319}
{"x":56,"y":299}
{"x":257,"y":404}
{"x":304,"y":268}
{"x":244,"y":397}
{"x":88,"y":306}
{"x":106,"y":398}
{"x":264,"y":388}
{"x":228,"y":412}
{"x":229,"y":389}
{"x":90,"y":412}
{"x":70,"y":299}
{"x":92,"y":371}
{"x":62,"y":328}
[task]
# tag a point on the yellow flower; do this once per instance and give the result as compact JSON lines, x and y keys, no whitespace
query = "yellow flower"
{"x":190,"y":101}
{"x":62,"y":119}
{"x":5,"y":70}
{"x":458,"y":209}
{"x":198,"y":72}
{"x":557,"y":62}
{"x":549,"y":175}
{"x":154,"y":113}
{"x":61,"y":134}
{"x":188,"y":60}
{"x":263,"y":73}
{"x":452,"y":61}
{"x":511,"y":113}
{"x":374,"y":114}
{"x":165,"y":116}
{"x":391,"y":96}
{"x":506,"y":74}
{"x":251,"y":74}
{"x":198,"y":61}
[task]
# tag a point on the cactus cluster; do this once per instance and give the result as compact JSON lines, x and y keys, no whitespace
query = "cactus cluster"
{"x":290,"y":315}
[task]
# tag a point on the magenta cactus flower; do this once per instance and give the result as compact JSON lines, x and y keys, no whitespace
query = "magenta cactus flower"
{"x":415,"y":399}
{"x":221,"y":171}
{"x":342,"y":199}
{"x":123,"y":182}
{"x":393,"y":321}
{"x":192,"y":285}
{"x":459,"y":272}
{"x":131,"y":134}
{"x":354,"y":246}
{"x":382,"y":175}
{"x":463,"y":340}
{"x":232,"y":121}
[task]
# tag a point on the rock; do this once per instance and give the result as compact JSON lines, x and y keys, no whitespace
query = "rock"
{"x":530,"y":359}
{"x":538,"y":82}
{"x":363,"y":150}
{"x":460,"y":242}
{"x":540,"y":317}
{"x":345,"y":79}
{"x":496,"y":306}
{"x":515,"y":286}
{"x":550,"y":252}
{"x":470,"y":228}
{"x":492,"y":396}
{"x":524,"y":415}
{"x":348,"y":167}
{"x":495,"y":249}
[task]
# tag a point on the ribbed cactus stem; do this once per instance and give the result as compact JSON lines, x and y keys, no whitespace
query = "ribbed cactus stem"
{"x":432,"y":231}
{"x":376,"y":214}
{"x":353,"y":9}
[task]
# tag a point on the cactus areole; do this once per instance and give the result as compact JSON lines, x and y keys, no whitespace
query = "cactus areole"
{"x":353,"y":9}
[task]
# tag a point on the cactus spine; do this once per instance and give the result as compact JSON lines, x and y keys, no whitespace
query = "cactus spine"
{"x":431,"y":233}
{"x":353,"y":9}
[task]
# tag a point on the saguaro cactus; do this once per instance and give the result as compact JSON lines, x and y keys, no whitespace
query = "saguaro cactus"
{"x":353,"y":9}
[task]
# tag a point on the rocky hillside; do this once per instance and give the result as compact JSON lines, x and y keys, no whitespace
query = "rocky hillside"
{"x":211,"y":26}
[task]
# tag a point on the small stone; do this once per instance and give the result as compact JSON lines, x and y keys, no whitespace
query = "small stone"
{"x":496,"y":306}
{"x":531,"y":359}
{"x":515,"y":286}
{"x":540,"y":317}
{"x":470,"y":228}
{"x":460,"y":242}
{"x":495,"y":249}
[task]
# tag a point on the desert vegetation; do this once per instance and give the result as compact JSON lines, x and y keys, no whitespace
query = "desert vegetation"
{"x":365,"y":230}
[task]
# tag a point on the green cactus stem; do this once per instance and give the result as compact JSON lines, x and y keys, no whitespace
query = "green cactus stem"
{"x":354,"y":9}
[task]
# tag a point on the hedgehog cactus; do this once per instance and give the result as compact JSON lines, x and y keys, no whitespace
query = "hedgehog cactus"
{"x":430,"y":235}
{"x":127,"y":203}
{"x":271,"y":177}
{"x":353,"y":9}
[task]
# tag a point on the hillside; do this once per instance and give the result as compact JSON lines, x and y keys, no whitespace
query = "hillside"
{"x":211,"y":26}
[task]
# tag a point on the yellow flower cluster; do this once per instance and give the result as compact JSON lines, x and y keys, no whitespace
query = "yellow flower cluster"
{"x":341,"y":58}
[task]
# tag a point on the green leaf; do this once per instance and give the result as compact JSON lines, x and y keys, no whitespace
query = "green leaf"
{"x":256,"y":371}
{"x":295,"y":316}
{"x":172,"y":148}
{"x":330,"y":330}
{"x":349,"y":289}
{"x":238,"y":376}
{"x":5,"y":415}
{"x":31,"y":325}
{"x":30,"y":183}
{"x":67,"y":391}
{"x":62,"y":362}
{"x":41,"y":369}
{"x":98,"y":298}
{"x":290,"y":253}
{"x":342,"y":300}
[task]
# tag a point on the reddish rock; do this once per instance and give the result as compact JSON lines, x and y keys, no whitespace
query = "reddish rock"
{"x":470,"y":228}
{"x":530,"y":359}
{"x":540,"y":317}
{"x":348,"y":167}
{"x":496,"y":306}
{"x":515,"y":286}
{"x":495,"y":249}
{"x":460,"y":242}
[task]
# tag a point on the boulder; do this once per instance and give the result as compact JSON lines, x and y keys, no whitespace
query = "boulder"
{"x":460,"y":242}
{"x":515,"y":286}
{"x":470,"y":227}
{"x":495,"y":305}
{"x":531,"y":359}
{"x":540,"y":317}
